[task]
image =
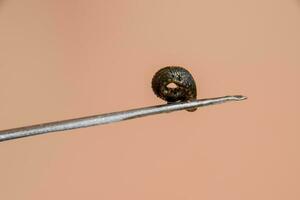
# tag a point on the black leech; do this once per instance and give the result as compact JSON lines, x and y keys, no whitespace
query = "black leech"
{"x":186,"y":86}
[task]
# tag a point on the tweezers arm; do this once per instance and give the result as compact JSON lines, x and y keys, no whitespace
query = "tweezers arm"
{"x":110,"y":117}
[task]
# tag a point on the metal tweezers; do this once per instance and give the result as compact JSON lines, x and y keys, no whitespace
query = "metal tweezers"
{"x":111,"y":117}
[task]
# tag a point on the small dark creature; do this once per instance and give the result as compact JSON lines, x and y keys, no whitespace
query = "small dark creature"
{"x":174,"y":84}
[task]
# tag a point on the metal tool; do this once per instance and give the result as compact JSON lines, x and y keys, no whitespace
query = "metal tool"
{"x":110,"y":117}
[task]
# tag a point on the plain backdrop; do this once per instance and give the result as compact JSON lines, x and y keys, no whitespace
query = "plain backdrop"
{"x":62,"y":59}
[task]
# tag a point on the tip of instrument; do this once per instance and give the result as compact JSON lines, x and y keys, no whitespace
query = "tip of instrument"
{"x":240,"y":97}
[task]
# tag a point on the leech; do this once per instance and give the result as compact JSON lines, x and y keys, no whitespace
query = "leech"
{"x":174,"y":84}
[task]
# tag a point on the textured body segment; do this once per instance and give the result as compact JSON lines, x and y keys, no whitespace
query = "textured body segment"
{"x":185,"y":89}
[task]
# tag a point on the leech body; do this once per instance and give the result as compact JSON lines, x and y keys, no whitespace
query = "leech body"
{"x":185,"y":89}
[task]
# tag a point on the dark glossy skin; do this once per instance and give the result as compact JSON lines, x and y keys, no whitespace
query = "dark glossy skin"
{"x":185,"y":89}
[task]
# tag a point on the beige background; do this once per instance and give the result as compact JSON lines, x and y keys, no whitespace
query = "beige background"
{"x":64,"y":59}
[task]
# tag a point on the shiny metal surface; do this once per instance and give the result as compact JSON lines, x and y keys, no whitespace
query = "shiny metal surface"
{"x":110,"y":117}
